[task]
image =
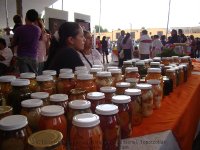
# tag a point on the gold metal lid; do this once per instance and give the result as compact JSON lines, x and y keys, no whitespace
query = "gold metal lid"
{"x":5,"y":109}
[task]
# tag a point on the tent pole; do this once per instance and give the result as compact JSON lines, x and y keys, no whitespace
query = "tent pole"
{"x":99,"y":17}
{"x":6,"y":8}
{"x":168,"y":17}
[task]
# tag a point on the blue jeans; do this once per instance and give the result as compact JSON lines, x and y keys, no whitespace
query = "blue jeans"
{"x":27,"y":64}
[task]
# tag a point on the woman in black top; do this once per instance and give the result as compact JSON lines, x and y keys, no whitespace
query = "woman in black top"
{"x":104,"y":44}
{"x":71,"y":40}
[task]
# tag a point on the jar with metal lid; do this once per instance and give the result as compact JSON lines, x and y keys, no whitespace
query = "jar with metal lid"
{"x":116,"y":75}
{"x":155,"y":65}
{"x":185,"y":71}
{"x":147,"y":63}
{"x":165,"y":61}
{"x":171,"y":73}
{"x":65,"y":83}
{"x":86,"y":82}
{"x":181,"y":79}
{"x":154,"y":74}
{"x":190,"y":67}
{"x":80,"y":68}
{"x":52,"y":117}
{"x":112,"y":67}
{"x":20,"y":92}
{"x":177,"y":75}
{"x":136,"y":104}
{"x":103,"y":79}
{"x":98,"y":66}
{"x":110,"y":125}
{"x":52,"y":73}
{"x":5,"y":111}
{"x":132,"y":76}
{"x":171,"y":60}
{"x":44,"y":96}
{"x":45,"y":84}
{"x":141,"y":68}
{"x":125,"y":114}
{"x":86,"y":132}
{"x":59,"y":99}
{"x":31,"y":77}
{"x":167,"y":86}
{"x":121,"y":87}
{"x":96,"y":98}
{"x":31,"y":108}
{"x":77,"y":94}
{"x":157,"y":91}
{"x":126,"y":64}
{"x":94,"y":71}
{"x":147,"y":99}
{"x":109,"y":93}
{"x":14,"y":133}
{"x":80,"y":72}
{"x":176,"y":59}
{"x":157,"y":59}
{"x":46,"y":140}
{"x":66,"y":70}
{"x":133,"y":62}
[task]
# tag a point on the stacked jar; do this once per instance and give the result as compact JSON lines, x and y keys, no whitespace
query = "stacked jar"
{"x":141,"y":69}
{"x":155,"y":74}
{"x":176,"y":59}
{"x":53,"y":74}
{"x":109,"y":93}
{"x":126,"y":64}
{"x":66,"y":70}
{"x":31,"y":77}
{"x":94,"y":71}
{"x":171,"y":74}
{"x":44,"y":96}
{"x":132,"y":76}
{"x":121,"y":87}
{"x":5,"y":111}
{"x":103,"y":78}
{"x":117,"y":75}
{"x":77,"y":94}
{"x":45,"y":84}
{"x":59,"y":99}
{"x":165,"y":61}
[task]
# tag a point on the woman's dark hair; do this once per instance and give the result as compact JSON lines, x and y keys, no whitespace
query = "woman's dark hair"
{"x":126,"y":38}
{"x":32,"y":15}
{"x":17,"y":19}
{"x":104,"y":38}
{"x":3,"y":41}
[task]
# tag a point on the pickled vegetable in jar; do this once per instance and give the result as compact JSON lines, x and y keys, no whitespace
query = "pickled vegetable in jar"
{"x":77,"y":94}
{"x":20,"y":92}
{"x":185,"y":71}
{"x":109,"y":93}
{"x":136,"y":104}
{"x":141,"y":68}
{"x":45,"y":84}
{"x":44,"y":96}
{"x":94,"y":71}
{"x":65,"y":83}
{"x":96,"y":98}
{"x":126,"y":64}
{"x":31,"y":77}
{"x":121,"y":87}
{"x":80,"y":72}
{"x":171,"y":74}
{"x":66,"y":70}
{"x":181,"y":79}
{"x":146,"y":63}
{"x":5,"y":111}
{"x":155,"y":65}
{"x":132,"y":72}
{"x":31,"y":108}
{"x":171,"y":60}
{"x":165,"y":61}
{"x":154,"y":74}
{"x":157,"y":93}
{"x":167,"y":85}
{"x":177,"y":75}
{"x":46,"y":140}
{"x":190,"y":67}
{"x":86,"y":133}
{"x":110,"y":125}
{"x":125,"y":114}
{"x":103,"y":79}
{"x":176,"y":59}
{"x":147,"y":99}
{"x":52,"y":117}
{"x":59,"y":99}
{"x":116,"y":75}
{"x":53,"y":74}
{"x":14,"y":133}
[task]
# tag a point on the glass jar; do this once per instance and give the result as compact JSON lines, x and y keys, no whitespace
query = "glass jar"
{"x":14,"y":133}
{"x":52,"y":117}
{"x":20,"y":92}
{"x":46,"y":140}
{"x":165,"y":61}
{"x":167,"y":86}
{"x":109,"y":93}
{"x":141,"y":68}
{"x":155,"y":65}
{"x":133,"y":62}
{"x":103,"y":79}
{"x":77,"y":94}
{"x":157,"y":93}
{"x":181,"y":79}
{"x":94,"y":71}
{"x":5,"y":111}
{"x":146,"y":63}
{"x":176,"y":59}
{"x":147,"y":99}
{"x":31,"y":108}
{"x":155,"y":74}
{"x":190,"y":67}
{"x":98,"y":66}
{"x":177,"y":75}
{"x":66,"y":70}
{"x":136,"y":105}
{"x":45,"y":84}
{"x":110,"y":125}
{"x":86,"y":133}
{"x":125,"y":114}
{"x":121,"y":87}
{"x":50,"y":73}
{"x":185,"y":71}
{"x":112,"y":67}
{"x":171,"y":60}
{"x":171,"y":73}
{"x":59,"y":99}
{"x":96,"y":98}
{"x":86,"y":82}
{"x":157,"y":59}
{"x":65,"y":83}
{"x":80,"y":72}
{"x":31,"y":77}
{"x":126,"y":64}
{"x":132,"y":72}
{"x":44,"y":96}
{"x":116,"y":75}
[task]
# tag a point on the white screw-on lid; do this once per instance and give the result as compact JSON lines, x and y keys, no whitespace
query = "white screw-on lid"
{"x":108,"y":89}
{"x":155,"y":63}
{"x":59,"y":97}
{"x":139,"y":63}
{"x":104,"y":74}
{"x":107,"y":109}
{"x":175,"y":56}
{"x":131,"y":69}
{"x":30,"y":103}
{"x":173,"y":65}
{"x":40,"y":95}
{"x":7,"y":78}
{"x":176,"y":67}
{"x":132,"y":80}
{"x":132,"y":92}
{"x":187,"y":56}
{"x":81,"y":68}
{"x":27,"y":75}
{"x":150,"y":60}
{"x":144,"y":86}
{"x":146,"y":61}
{"x":134,"y":60}
{"x":42,"y":78}
{"x":66,"y":75}
{"x":77,"y":72}
{"x":115,"y":71}
{"x":165,"y":58}
{"x":153,"y":81}
{"x":127,"y":62}
{"x":95,"y":95}
{"x":49,"y":72}
{"x":97,"y":66}
{"x":92,"y":70}
{"x":66,"y":70}
{"x":180,"y":67}
{"x":154,"y":70}
{"x":20,"y":82}
{"x":13,"y":122}
{"x":171,"y":70}
{"x":120,"y":99}
{"x":123,"y":84}
{"x":79,"y":104}
{"x":112,"y":67}
{"x":157,"y":59}
{"x":52,"y":110}
{"x":86,"y":120}
{"x":85,"y":77}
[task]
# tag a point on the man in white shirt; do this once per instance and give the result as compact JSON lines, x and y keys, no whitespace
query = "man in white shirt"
{"x":156,"y":46}
{"x":5,"y":56}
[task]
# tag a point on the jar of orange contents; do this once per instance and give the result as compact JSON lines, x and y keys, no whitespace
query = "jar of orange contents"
{"x":125,"y":114}
{"x":155,"y":74}
{"x":54,"y":75}
{"x":110,"y":125}
{"x":136,"y":104}
{"x":116,"y":75}
{"x":176,"y":59}
{"x":94,"y":71}
{"x":121,"y":87}
{"x":5,"y":111}
{"x":165,"y":61}
{"x":77,"y":94}
{"x":104,"y":78}
{"x":59,"y":99}
{"x":96,"y":98}
{"x":44,"y":96}
{"x":46,"y":140}
{"x":65,"y":83}
{"x":109,"y":93}
{"x":181,"y":80}
{"x":31,"y":77}
{"x":126,"y":64}
{"x":171,"y":74}
{"x":52,"y":117}
{"x":45,"y":84}
{"x":86,"y":133}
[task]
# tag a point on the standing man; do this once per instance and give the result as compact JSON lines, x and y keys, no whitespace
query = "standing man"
{"x":181,"y":37}
{"x":119,"y":47}
{"x":26,"y":38}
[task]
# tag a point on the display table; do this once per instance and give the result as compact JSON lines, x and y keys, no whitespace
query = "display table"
{"x":174,"y":125}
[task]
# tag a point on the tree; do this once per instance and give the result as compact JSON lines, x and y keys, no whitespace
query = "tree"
{"x":101,"y":29}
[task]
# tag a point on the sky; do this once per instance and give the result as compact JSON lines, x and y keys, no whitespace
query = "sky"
{"x":135,"y":14}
